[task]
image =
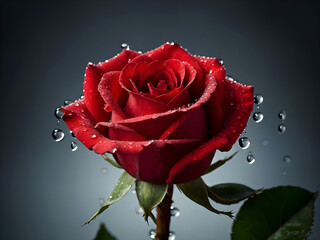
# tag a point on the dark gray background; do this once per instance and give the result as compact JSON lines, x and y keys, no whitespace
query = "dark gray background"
{"x":47,"y":191}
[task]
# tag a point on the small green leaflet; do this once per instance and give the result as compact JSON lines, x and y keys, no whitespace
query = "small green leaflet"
{"x":103,"y":234}
{"x":196,"y":190}
{"x":281,"y":213}
{"x":124,"y":184}
{"x":230,"y":193}
{"x":150,"y":195}
{"x":219,"y":163}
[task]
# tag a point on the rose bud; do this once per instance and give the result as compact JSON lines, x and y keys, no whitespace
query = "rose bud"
{"x":162,"y":114}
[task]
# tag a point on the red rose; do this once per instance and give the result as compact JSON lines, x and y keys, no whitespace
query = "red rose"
{"x":162,"y":114}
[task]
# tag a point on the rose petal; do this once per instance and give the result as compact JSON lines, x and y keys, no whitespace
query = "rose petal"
{"x":174,"y":51}
{"x":236,"y":112}
{"x":92,"y":78}
{"x":111,"y":91}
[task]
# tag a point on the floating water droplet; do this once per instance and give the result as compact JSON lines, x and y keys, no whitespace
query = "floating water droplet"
{"x":67,"y":102}
{"x":265,"y":142}
{"x":139,"y":211}
{"x":250,"y":158}
{"x":282,"y":115}
{"x":258,"y":99}
{"x":57,"y":135}
{"x":104,"y":170}
{"x":244,"y":142}
{"x":74,"y":146}
{"x":124,"y":46}
{"x":281,"y":128}
{"x":175,"y":212}
{"x":101,"y":201}
{"x":72,"y":134}
{"x":287,"y":159}
{"x":92,"y":135}
{"x":172,"y":235}
{"x":257,"y":117}
{"x":58,"y":113}
{"x":152,"y":234}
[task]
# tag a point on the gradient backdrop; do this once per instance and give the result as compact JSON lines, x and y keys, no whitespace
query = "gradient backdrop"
{"x":48,"y":191}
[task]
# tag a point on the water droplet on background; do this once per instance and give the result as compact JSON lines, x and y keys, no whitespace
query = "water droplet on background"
{"x":58,"y":113}
{"x":57,"y":135}
{"x":258,"y":99}
{"x":139,"y":211}
{"x":152,"y":234}
{"x":101,"y":201}
{"x":282,"y":115}
{"x":257,"y":117}
{"x":67,"y":102}
{"x":250,"y":158}
{"x":265,"y":143}
{"x":286,"y":159}
{"x":281,"y":128}
{"x":284,"y":172}
{"x":104,"y":170}
{"x":175,"y":212}
{"x":244,"y":142}
{"x":172,"y":235}
{"x":74,"y":146}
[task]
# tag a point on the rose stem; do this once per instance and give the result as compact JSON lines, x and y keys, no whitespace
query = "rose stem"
{"x":164,"y":215}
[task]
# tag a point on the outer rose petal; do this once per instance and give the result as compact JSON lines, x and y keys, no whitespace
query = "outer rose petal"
{"x":236,"y":112}
{"x":94,"y":102}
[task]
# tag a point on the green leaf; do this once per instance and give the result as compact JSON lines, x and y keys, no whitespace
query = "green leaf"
{"x":196,"y":190}
{"x":111,"y":161}
{"x":124,"y":184}
{"x":150,"y":195}
{"x":230,"y":193}
{"x":284,"y":213}
{"x":219,"y":163}
{"x":103,"y":234}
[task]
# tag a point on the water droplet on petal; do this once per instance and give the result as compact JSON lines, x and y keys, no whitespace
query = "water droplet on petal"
{"x":74,"y":146}
{"x":152,"y":234}
{"x":250,"y":158}
{"x":67,"y":102}
{"x":281,"y":128}
{"x":124,"y":46}
{"x":104,"y":170}
{"x":58,"y":135}
{"x":257,"y":117}
{"x":287,"y":159}
{"x":172,"y":235}
{"x":258,"y":99}
{"x":92,"y":135}
{"x":175,"y":212}
{"x":244,"y":142}
{"x":101,"y":201}
{"x":114,"y":150}
{"x":81,"y":97}
{"x":220,"y":61}
{"x":282,"y":115}
{"x":58,"y":113}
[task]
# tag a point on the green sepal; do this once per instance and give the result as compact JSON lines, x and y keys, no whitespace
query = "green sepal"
{"x":284,"y":213}
{"x":150,"y":195}
{"x":197,"y":191}
{"x":111,"y":161}
{"x":103,"y":234}
{"x":230,"y":193}
{"x":219,"y":163}
{"x":123,"y":185}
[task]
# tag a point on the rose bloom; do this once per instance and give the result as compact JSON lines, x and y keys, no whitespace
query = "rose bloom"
{"x":162,"y":114}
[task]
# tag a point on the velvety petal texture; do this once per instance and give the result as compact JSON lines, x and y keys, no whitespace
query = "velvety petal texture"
{"x":162,"y":114}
